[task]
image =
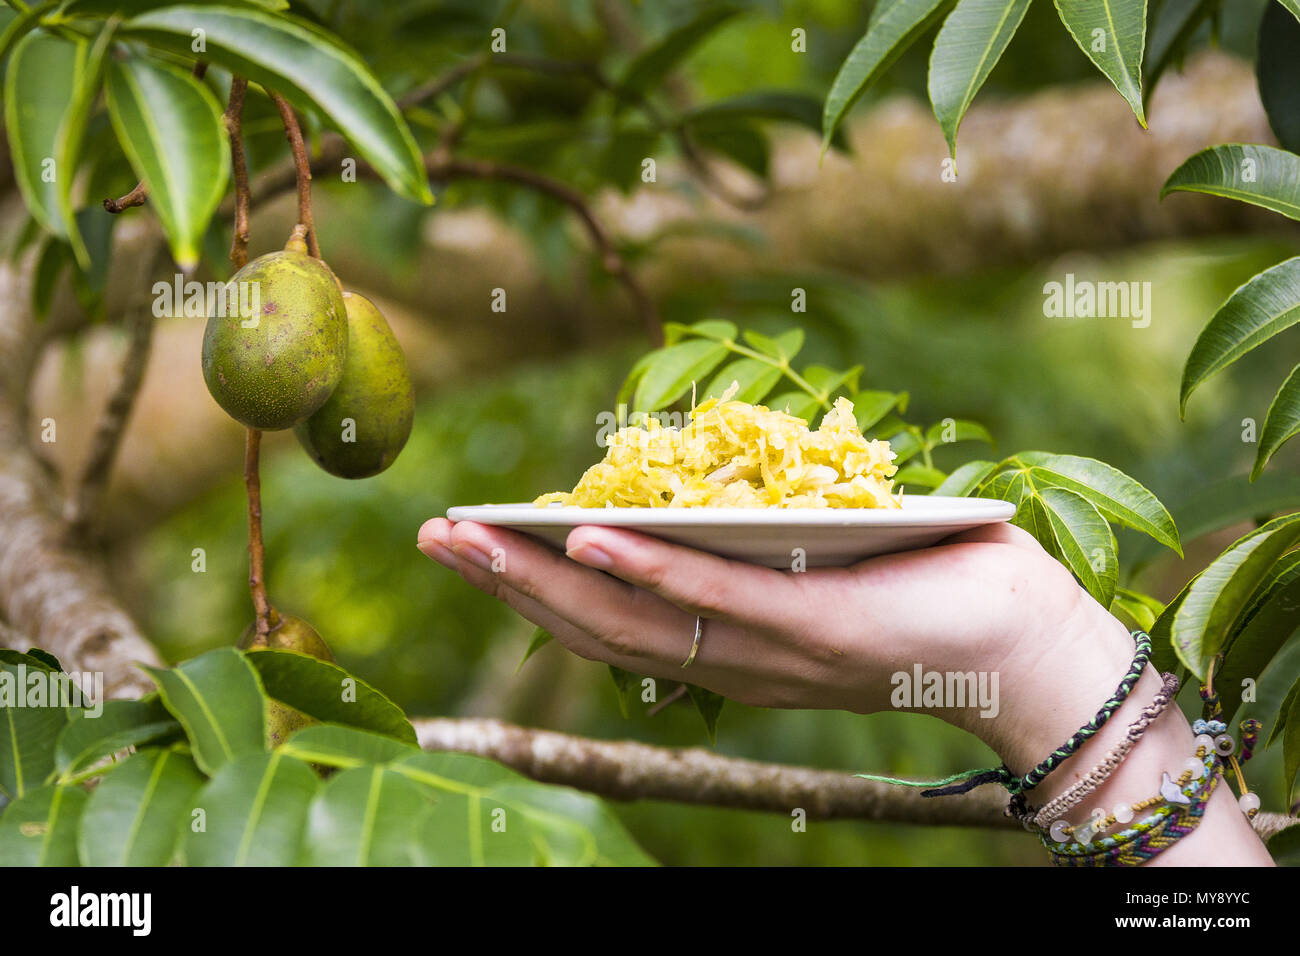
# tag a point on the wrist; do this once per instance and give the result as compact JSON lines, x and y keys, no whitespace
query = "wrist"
{"x":1058,"y":671}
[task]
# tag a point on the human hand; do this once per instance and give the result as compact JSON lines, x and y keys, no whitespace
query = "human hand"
{"x":988,"y":600}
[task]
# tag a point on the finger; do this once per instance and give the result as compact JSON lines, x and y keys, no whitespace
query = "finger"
{"x":699,"y":583}
{"x":573,"y":638}
{"x":434,"y":540}
{"x":630,"y":623}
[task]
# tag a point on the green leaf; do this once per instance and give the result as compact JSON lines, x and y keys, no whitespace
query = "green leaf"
{"x":1217,"y":599}
{"x":123,"y":723}
{"x":1086,"y":544}
{"x":1293,"y":6}
{"x":1261,"y":633}
{"x":895,"y":25}
{"x":720,"y":330}
{"x":1260,"y":175}
{"x":870,"y":407}
{"x":1174,"y":23}
{"x":541,"y":637}
{"x":1291,"y":749}
{"x":1278,"y":72}
{"x":1284,"y":847}
{"x":72,"y":130}
{"x":40,"y":828}
{"x":18,"y":25}
{"x":709,"y":706}
{"x":1282,"y":423}
{"x":661,"y":57}
{"x":778,"y":105}
{"x":1265,"y":305}
{"x":1284,"y":713}
{"x":828,"y":380}
{"x":959,"y":429}
{"x":327,"y":692}
{"x":136,"y":814}
{"x":44,"y":657}
{"x":921,"y":475}
{"x":255,"y":811}
{"x":1135,"y":613}
{"x":39,"y":85}
{"x":54,"y":257}
{"x":799,"y":404}
{"x":783,"y":347}
{"x":310,"y":68}
{"x":365,"y":816}
{"x":1115,"y":494}
{"x":755,"y":378}
{"x":743,"y":143}
{"x":626,"y":390}
{"x":29,"y":726}
{"x":535,"y":823}
{"x":1113,"y":35}
{"x":337,"y":746}
{"x":623,"y":682}
{"x":966,"y":478}
{"x":218,"y":700}
{"x":1163,"y":656}
{"x":674,"y":370}
{"x":970,"y":43}
{"x":169,"y":126}
{"x":1031,"y":514}
{"x":906,"y":444}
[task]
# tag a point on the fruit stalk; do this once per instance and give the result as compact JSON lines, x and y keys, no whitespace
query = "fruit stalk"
{"x":256,"y":550}
{"x":302,"y":166}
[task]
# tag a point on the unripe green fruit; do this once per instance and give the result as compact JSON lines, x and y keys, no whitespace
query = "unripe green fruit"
{"x":364,"y":424}
{"x":288,"y":633}
{"x":273,"y":369}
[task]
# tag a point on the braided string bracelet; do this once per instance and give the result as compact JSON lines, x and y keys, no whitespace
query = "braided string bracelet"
{"x":1042,"y":818}
{"x":1018,"y":786}
{"x":1152,"y":835}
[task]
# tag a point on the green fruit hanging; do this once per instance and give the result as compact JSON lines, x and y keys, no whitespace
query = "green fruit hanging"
{"x":287,"y":633}
{"x":272,"y":369}
{"x":363,"y":425}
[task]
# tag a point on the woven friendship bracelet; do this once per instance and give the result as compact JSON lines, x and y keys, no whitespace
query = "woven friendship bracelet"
{"x":1144,"y":840}
{"x":1017,"y":786}
{"x":1094,"y":778}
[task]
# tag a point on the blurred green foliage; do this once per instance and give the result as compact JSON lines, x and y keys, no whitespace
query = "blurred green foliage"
{"x":343,"y":554}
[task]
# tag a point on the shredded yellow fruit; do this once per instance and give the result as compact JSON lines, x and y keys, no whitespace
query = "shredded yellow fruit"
{"x":732,"y":454}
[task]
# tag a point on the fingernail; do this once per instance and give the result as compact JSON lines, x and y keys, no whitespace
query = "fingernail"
{"x":432,"y":549}
{"x":473,"y":555}
{"x":591,"y":556}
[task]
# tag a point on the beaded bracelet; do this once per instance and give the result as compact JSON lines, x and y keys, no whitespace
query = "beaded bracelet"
{"x":1042,"y":818}
{"x":1152,"y":835}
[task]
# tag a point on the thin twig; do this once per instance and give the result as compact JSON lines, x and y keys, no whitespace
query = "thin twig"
{"x":84,"y":501}
{"x":256,"y":548}
{"x":302,"y":168}
{"x":234,"y":121}
{"x":677,"y":694}
{"x":137,"y":196}
{"x":610,"y":259}
{"x":442,"y":83}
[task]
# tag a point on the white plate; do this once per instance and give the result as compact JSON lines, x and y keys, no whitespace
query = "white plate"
{"x":769,"y":536}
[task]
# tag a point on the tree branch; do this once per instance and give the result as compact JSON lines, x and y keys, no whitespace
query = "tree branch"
{"x":626,"y":770}
{"x":51,"y":594}
{"x":84,"y":501}
{"x":233,"y":118}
